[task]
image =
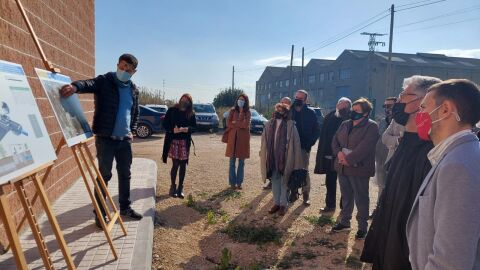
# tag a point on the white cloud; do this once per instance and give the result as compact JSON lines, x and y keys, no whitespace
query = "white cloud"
{"x":471,"y":53}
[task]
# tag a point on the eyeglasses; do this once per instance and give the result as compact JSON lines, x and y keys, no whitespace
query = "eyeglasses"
{"x":404,"y":94}
{"x":389,"y":106}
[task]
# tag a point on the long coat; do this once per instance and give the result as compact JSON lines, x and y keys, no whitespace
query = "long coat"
{"x":293,"y":160}
{"x":330,"y":127}
{"x":238,"y":142}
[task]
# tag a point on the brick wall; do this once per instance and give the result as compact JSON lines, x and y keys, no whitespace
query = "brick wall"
{"x":66,"y":29}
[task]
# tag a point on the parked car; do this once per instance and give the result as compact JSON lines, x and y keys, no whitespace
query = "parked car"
{"x":206,"y":116}
{"x":256,"y":124}
{"x":320,"y":118}
{"x":159,"y":108}
{"x":150,"y":122}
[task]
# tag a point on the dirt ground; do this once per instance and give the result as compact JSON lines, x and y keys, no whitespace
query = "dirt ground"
{"x":192,"y":234}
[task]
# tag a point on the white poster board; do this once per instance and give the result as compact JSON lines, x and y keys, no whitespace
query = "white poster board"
{"x":24,"y":141}
{"x":68,"y":111}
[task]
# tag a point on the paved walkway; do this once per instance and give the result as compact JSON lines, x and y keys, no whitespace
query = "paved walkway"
{"x":88,"y":245}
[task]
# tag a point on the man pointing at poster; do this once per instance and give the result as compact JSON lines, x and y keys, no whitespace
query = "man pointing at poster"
{"x":115,"y":116}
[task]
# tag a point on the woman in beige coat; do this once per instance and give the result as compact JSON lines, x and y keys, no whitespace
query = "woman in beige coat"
{"x":280,"y":154}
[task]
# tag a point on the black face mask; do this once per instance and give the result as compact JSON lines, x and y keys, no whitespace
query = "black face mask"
{"x":355,"y":115}
{"x":399,"y":114}
{"x":298,"y":103}
{"x":344,"y":113}
{"x":279,"y":115}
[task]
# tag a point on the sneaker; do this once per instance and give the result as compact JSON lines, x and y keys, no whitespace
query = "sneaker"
{"x":340,"y":228}
{"x":306,"y":200}
{"x":327,"y":209}
{"x":130,"y":213}
{"x":268,"y":186}
{"x":97,"y":222}
{"x":360,"y":235}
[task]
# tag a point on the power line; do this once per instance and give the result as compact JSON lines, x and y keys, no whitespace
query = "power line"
{"x":448,"y":14}
{"x":414,"y":3}
{"x":347,"y":35}
{"x":440,"y":25}
{"x":427,"y":4}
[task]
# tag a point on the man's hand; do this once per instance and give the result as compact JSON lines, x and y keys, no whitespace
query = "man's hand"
{"x":68,"y":90}
{"x":130,"y":135}
{"x":341,"y":159}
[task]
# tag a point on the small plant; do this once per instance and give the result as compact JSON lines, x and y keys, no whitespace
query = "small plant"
{"x":353,"y":262}
{"x":226,"y":195}
{"x":320,"y":221}
{"x":211,"y":217}
{"x":225,"y":218}
{"x":253,"y":235}
{"x":190,"y":201}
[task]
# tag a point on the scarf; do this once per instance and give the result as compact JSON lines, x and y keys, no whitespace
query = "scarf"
{"x":277,"y":148}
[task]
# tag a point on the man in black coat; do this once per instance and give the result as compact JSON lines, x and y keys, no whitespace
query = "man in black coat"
{"x":307,"y":126}
{"x":115,"y":117}
{"x":325,"y":157}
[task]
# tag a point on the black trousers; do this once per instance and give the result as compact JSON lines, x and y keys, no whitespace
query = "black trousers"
{"x":331,"y":183}
{"x":121,"y":151}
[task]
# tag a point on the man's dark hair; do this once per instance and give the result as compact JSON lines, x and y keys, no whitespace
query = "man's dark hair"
{"x":391,"y":98}
{"x":364,"y":104}
{"x":464,"y":94}
{"x":130,"y":59}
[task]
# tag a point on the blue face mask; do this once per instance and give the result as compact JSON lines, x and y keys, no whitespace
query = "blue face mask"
{"x":123,"y":76}
{"x":241,"y":103}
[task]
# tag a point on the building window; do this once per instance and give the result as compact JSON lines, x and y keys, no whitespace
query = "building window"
{"x":276,"y":83}
{"x":295,"y":81}
{"x":345,"y":74}
{"x":287,"y":83}
{"x":264,"y":86}
{"x":269,"y":85}
{"x":322,"y":77}
{"x":331,"y":75}
{"x":281,"y":83}
{"x":311,"y":79}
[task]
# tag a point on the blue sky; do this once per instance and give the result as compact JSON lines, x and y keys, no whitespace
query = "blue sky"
{"x":192,"y":45}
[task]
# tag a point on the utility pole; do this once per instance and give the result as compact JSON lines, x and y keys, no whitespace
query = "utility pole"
{"x":291,"y":70}
{"x":303,"y":58}
{"x":388,"y":90}
{"x":233,"y":77}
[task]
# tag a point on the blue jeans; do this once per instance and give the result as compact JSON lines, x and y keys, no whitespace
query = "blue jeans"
{"x":279,"y":189}
{"x":236,"y":178}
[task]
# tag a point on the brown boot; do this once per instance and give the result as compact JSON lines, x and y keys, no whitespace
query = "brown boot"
{"x":282,"y":211}
{"x":274,"y":209}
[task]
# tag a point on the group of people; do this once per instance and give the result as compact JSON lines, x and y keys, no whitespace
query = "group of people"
{"x":423,"y":154}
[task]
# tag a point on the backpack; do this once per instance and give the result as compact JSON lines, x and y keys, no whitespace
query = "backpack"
{"x":297,"y":179}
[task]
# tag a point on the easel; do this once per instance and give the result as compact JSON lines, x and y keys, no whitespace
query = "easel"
{"x":11,"y":231}
{"x":85,"y":161}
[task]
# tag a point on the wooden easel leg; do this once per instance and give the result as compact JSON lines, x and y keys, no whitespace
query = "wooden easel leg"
{"x":11,"y":232}
{"x":105,"y":188}
{"x":95,"y":184}
{"x":34,"y":226}
{"x":53,"y":222}
{"x":94,"y":201}
{"x":44,"y":178}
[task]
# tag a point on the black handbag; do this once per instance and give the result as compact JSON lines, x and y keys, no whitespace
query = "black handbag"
{"x":297,"y":179}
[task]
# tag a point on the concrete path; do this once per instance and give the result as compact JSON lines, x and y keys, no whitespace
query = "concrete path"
{"x":88,"y":244}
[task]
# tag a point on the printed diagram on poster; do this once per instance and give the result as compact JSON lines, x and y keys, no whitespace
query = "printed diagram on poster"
{"x":68,"y":111}
{"x":24,"y":141}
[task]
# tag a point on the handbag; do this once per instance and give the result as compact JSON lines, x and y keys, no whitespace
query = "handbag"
{"x":297,"y":179}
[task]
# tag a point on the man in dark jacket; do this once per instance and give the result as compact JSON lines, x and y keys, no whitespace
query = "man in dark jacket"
{"x":324,"y":159}
{"x":114,"y":119}
{"x":386,"y":243}
{"x":307,"y":126}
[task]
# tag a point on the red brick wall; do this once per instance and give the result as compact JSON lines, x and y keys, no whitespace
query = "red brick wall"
{"x":66,"y":29}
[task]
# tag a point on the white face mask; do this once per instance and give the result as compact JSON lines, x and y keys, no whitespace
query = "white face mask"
{"x":123,"y":76}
